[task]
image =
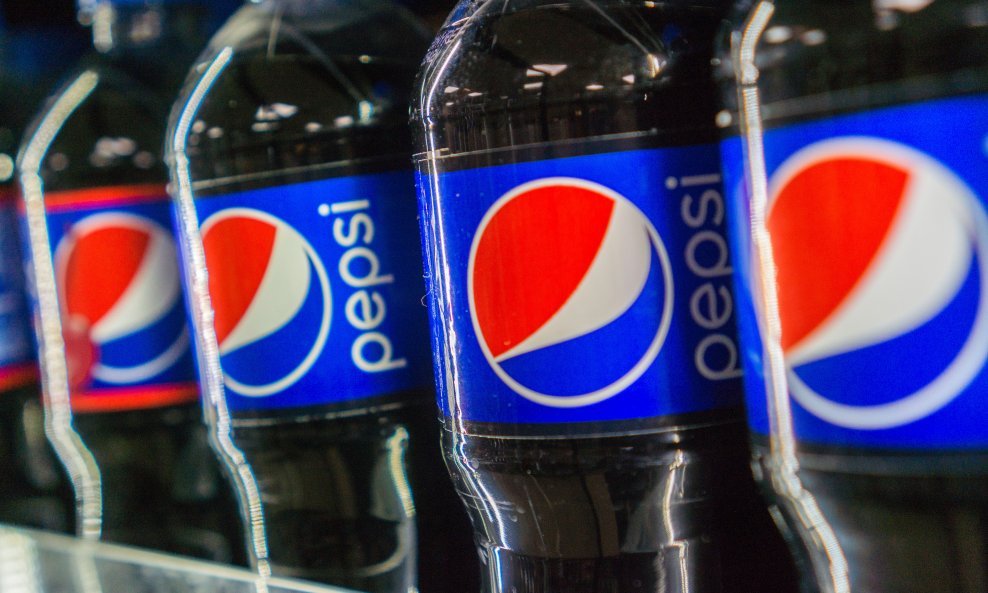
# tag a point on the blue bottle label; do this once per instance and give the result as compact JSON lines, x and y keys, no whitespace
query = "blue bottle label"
{"x":123,"y":322}
{"x":17,"y":364}
{"x":879,"y":235}
{"x":317,"y":291}
{"x":582,"y":290}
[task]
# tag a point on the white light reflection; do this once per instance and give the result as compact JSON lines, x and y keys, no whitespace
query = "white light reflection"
{"x":673,"y":482}
{"x":723,"y":118}
{"x":677,"y":467}
{"x":6,"y":167}
{"x":87,"y":576}
{"x":784,"y":465}
{"x":550,"y":69}
{"x":901,"y":5}
{"x":261,"y":127}
{"x":491,"y":506}
{"x":438,"y":232}
{"x":104,"y":19}
{"x":813,"y":37}
{"x":405,"y":551}
{"x":778,"y":34}
{"x":19,"y":566}
{"x":655,"y":64}
{"x":397,"y":445}
{"x":78,"y":460}
{"x":365,"y":111}
{"x":211,"y":374}
{"x":265,"y":113}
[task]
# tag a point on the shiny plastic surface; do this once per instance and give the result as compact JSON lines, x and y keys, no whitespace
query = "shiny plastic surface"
{"x":38,"y":562}
{"x":144,"y":476}
{"x":34,"y":492}
{"x":873,"y":504}
{"x":336,"y":487}
{"x":666,"y":507}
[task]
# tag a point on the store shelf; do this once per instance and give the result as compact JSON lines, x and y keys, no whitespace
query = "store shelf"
{"x":37,"y":562}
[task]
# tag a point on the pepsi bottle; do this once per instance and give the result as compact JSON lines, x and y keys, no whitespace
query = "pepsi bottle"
{"x":33,"y":491}
{"x":573,"y":225}
{"x":290,"y":167}
{"x":120,"y":392}
{"x":859,"y":215}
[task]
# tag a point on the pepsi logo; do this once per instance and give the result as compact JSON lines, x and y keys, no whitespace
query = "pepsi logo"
{"x":881,"y":254}
{"x":564,"y":275}
{"x":264,"y":281}
{"x":117,"y":276}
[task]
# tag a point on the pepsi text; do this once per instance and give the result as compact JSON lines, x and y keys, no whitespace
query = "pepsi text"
{"x":360,"y":268}
{"x":711,"y":304}
{"x":316,"y":293}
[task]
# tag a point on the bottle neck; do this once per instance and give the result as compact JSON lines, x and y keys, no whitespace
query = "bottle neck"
{"x":120,"y":27}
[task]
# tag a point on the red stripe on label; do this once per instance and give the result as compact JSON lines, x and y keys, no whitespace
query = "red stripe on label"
{"x":531,"y":258}
{"x":134,"y":398}
{"x":238,"y":252}
{"x":827,"y":225}
{"x":92,"y":286}
{"x":104,"y":197}
{"x":18,"y":375}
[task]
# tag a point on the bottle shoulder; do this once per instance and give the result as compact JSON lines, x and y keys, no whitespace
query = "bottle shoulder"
{"x":296,"y":88}
{"x":828,"y":56}
{"x":110,"y":121}
{"x":535,"y":71}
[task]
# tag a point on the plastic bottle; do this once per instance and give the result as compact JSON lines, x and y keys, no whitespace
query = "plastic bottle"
{"x":34,"y":491}
{"x":573,"y":223}
{"x":859,"y":216}
{"x":122,"y":404}
{"x":290,"y":148}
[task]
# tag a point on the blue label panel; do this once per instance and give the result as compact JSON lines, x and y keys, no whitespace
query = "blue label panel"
{"x":123,"y":322}
{"x":317,"y":290}
{"x":17,"y":366}
{"x":880,"y":241}
{"x":582,"y":290}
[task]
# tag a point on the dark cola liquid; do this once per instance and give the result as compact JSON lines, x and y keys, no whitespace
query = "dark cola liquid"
{"x":161,"y":485}
{"x":355,"y":495}
{"x":905,"y":521}
{"x":337,"y":494}
{"x":672,"y":511}
{"x":672,"y":505}
{"x":35,"y":492}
